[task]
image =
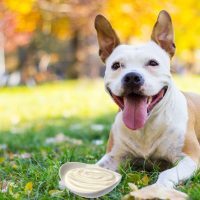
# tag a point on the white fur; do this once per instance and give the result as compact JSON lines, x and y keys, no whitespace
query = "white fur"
{"x":134,"y":59}
{"x":184,"y":170}
{"x":163,"y":133}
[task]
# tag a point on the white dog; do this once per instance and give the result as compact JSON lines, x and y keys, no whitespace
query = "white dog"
{"x":156,"y":120}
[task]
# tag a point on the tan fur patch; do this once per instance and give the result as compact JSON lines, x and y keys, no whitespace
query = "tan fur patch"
{"x":191,"y":146}
{"x":110,"y":143}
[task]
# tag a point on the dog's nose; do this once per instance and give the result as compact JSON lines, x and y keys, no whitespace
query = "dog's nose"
{"x":133,"y":79}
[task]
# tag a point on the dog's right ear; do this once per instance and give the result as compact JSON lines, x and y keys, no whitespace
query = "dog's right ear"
{"x":107,"y":38}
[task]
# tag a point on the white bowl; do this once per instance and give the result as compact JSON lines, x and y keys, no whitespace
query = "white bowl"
{"x":72,"y":165}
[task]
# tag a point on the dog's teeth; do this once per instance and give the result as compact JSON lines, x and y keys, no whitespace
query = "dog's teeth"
{"x":149,"y":100}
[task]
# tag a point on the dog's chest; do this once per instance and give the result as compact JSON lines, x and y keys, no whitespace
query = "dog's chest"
{"x":160,"y":139}
{"x":155,"y":144}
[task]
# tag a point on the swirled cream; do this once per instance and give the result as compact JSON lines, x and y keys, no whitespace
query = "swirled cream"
{"x":89,"y":179}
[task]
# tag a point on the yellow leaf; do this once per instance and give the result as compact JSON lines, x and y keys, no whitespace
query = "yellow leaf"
{"x":55,"y":192}
{"x":24,"y":8}
{"x":28,"y":187}
{"x":145,"y":180}
{"x":2,"y":159}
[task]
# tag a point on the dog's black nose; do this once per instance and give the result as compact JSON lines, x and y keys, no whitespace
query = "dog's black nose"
{"x":132,"y":80}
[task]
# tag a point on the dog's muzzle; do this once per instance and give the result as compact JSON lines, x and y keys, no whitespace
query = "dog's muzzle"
{"x":132,"y":82}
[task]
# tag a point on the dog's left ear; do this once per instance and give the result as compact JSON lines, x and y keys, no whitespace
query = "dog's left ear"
{"x":107,"y":37}
{"x":163,"y":33}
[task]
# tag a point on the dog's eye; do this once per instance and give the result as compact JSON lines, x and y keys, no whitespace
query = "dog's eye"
{"x":152,"y":63}
{"x":116,"y":66}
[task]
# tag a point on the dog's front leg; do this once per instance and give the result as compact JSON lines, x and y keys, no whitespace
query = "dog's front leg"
{"x":110,"y":161}
{"x":114,"y":155}
{"x":187,"y":166}
{"x":181,"y":172}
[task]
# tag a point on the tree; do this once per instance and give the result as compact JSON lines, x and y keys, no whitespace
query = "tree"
{"x":134,"y":20}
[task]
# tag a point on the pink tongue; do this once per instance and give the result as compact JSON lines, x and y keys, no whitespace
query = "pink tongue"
{"x":135,"y":112}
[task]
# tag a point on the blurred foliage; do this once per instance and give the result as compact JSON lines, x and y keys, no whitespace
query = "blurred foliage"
{"x":136,"y":19}
{"x":67,"y":27}
{"x":60,"y":18}
{"x":131,"y":18}
{"x":61,"y":99}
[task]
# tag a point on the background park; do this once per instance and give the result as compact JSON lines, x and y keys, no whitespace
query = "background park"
{"x":53,"y":107}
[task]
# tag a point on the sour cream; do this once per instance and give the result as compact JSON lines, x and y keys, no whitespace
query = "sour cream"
{"x":90,"y":179}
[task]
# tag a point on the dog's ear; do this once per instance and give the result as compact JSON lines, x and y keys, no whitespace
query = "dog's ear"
{"x":163,"y":33}
{"x":107,"y":37}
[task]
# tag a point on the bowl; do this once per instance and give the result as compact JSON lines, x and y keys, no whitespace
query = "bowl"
{"x":65,"y":168}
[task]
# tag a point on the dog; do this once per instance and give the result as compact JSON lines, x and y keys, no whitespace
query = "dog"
{"x":155,"y":120}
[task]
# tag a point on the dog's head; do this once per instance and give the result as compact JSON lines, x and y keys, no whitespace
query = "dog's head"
{"x":137,"y":77}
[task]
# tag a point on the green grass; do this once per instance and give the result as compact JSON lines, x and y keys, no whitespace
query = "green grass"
{"x":29,"y":116}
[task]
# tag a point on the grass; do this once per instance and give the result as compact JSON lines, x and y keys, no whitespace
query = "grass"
{"x":78,"y":109}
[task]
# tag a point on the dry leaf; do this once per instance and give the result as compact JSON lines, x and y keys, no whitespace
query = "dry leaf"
{"x":55,"y":192}
{"x":145,"y":180}
{"x":157,"y":191}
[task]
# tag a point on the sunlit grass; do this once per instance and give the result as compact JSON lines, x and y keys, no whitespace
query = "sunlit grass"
{"x":82,"y":99}
{"x":30,"y":115}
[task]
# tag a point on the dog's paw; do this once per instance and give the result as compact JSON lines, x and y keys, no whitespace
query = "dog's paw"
{"x":108,"y":162}
{"x":156,"y":191}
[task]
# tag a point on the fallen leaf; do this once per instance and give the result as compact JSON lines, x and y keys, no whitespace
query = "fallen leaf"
{"x":55,"y":192}
{"x":145,"y":180}
{"x":28,"y":187}
{"x":156,"y":191}
{"x":11,"y":156}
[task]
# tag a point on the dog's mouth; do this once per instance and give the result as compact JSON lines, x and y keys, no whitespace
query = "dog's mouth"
{"x":136,"y":108}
